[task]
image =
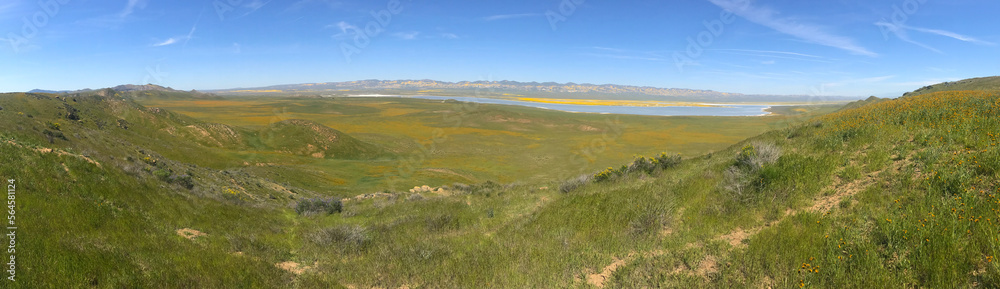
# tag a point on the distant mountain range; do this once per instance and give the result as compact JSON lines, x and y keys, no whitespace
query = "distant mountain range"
{"x":493,"y":89}
{"x":514,"y":89}
{"x":120,"y":88}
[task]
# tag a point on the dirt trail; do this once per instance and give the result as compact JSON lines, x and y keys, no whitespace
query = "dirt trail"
{"x":737,"y":237}
{"x":58,"y":152}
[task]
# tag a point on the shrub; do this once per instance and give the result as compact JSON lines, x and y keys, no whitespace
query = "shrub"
{"x":757,"y":154}
{"x":461,"y":187}
{"x":745,"y":175}
{"x":606,"y":174}
{"x":52,"y":135}
{"x":640,"y":164}
{"x":347,"y":237}
{"x":163,"y":174}
{"x":317,"y":206}
{"x":183,"y":180}
{"x":668,"y":161}
{"x":573,"y":184}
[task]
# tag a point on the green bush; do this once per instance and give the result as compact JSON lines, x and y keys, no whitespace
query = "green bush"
{"x":747,"y":173}
{"x":640,"y":164}
{"x":319,"y":206}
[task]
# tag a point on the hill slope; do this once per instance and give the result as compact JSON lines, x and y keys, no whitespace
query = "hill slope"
{"x":982,"y":83}
{"x":896,"y":192}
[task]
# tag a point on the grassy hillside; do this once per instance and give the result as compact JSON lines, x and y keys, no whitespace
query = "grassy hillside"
{"x":898,"y":193}
{"x":981,"y":84}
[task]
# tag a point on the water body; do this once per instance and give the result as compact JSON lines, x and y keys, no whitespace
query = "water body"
{"x":721,"y":110}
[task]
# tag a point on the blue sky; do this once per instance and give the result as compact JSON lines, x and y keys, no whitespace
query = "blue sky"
{"x":844,"y":47}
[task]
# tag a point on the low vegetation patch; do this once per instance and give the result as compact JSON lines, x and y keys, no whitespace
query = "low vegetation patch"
{"x":308,"y":207}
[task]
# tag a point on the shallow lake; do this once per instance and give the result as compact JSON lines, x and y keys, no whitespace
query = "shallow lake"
{"x":721,"y":110}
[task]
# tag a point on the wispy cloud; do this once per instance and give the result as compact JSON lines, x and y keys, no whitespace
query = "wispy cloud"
{"x":625,"y":54}
{"x":951,"y":34}
{"x":175,"y":40}
{"x":776,"y":55}
{"x":771,"y":52}
{"x":131,"y":7}
{"x":807,"y":32}
{"x":845,"y":82}
{"x":411,"y":35}
{"x":449,"y":36}
{"x":6,"y":8}
{"x":900,"y":31}
{"x":298,"y":5}
{"x":253,"y":6}
{"x":166,"y":42}
{"x":902,"y":34}
{"x":343,"y":26}
{"x":510,"y":16}
{"x":624,"y":57}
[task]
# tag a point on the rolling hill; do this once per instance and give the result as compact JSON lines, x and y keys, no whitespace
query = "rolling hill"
{"x":982,"y":83}
{"x":884,"y":193}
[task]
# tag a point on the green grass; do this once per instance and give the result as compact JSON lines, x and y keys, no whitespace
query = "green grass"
{"x":905,"y":193}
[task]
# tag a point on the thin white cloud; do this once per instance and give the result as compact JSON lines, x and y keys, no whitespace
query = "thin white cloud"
{"x":609,"y":49}
{"x":131,"y":7}
{"x":808,"y":32}
{"x":5,"y":8}
{"x":901,"y":33}
{"x":343,"y":26}
{"x":626,"y":54}
{"x":764,"y":52}
{"x":625,"y":57}
{"x":407,"y":35}
{"x":449,"y":35}
{"x":510,"y":16}
{"x":952,"y":35}
{"x":237,"y":48}
{"x":175,"y":40}
{"x":767,"y":62}
{"x":305,"y":3}
{"x":776,"y":55}
{"x":860,"y":80}
{"x":166,"y":42}
{"x":254,"y":6}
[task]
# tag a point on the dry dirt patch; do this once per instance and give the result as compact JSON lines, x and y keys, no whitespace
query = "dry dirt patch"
{"x":189,"y":233}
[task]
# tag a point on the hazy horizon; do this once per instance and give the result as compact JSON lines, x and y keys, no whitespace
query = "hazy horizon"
{"x":849,"y":48}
